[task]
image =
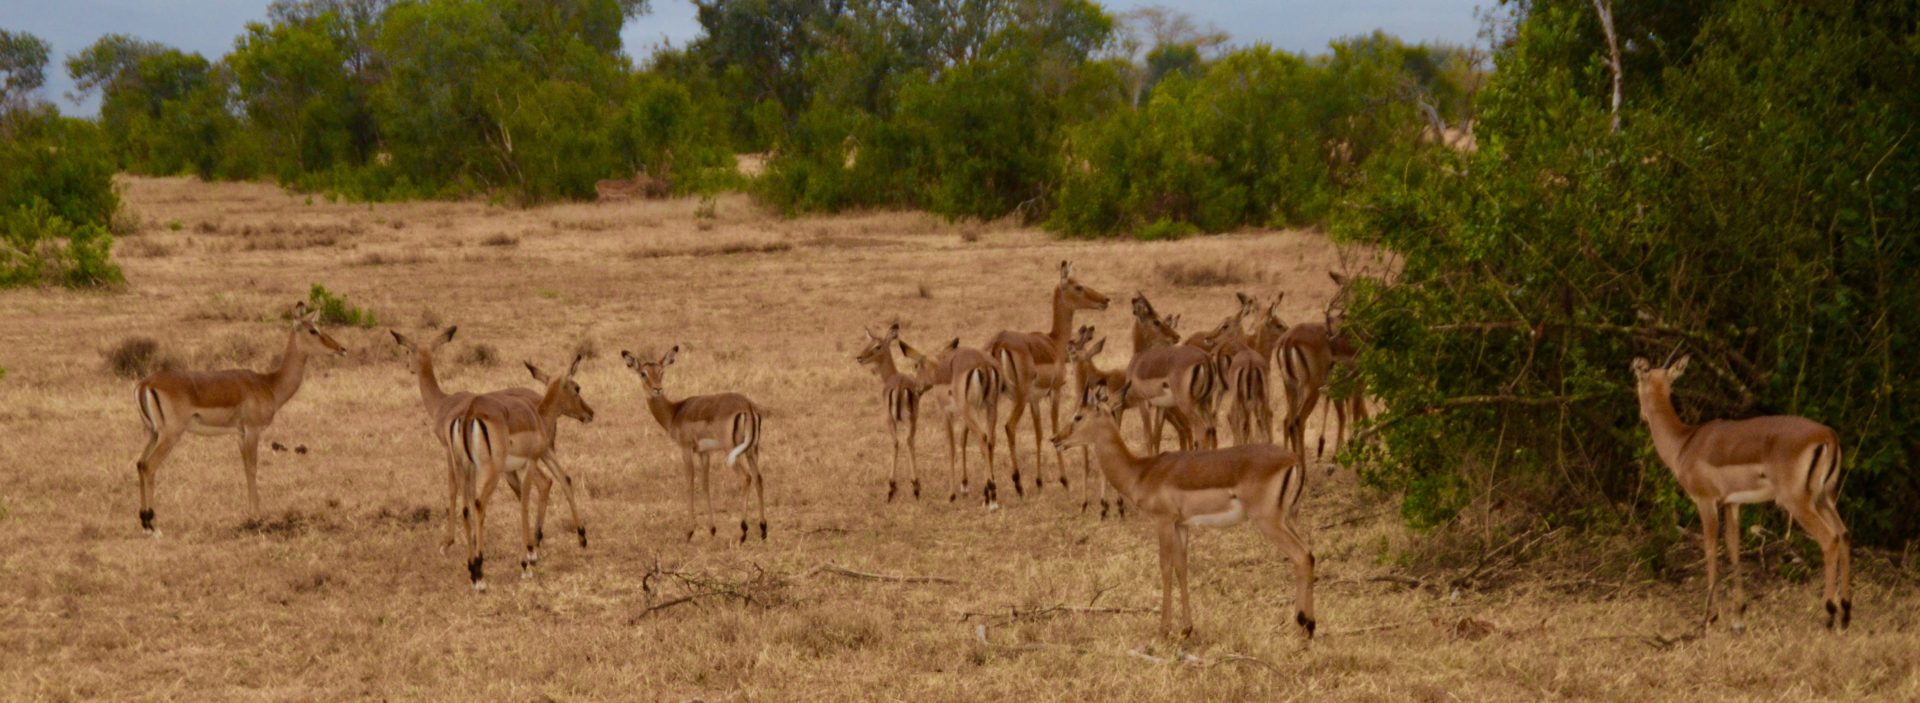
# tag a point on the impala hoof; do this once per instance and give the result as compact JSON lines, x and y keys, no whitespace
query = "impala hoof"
{"x":744,"y":532}
{"x":146,"y":522}
{"x":583,"y":537}
{"x":476,"y":571}
{"x":1306,"y":623}
{"x":1832,"y":610}
{"x":713,"y":530}
{"x":892,"y":488}
{"x":1017,"y":490}
{"x":763,"y":530}
{"x":540,"y":536}
{"x":916,"y":489}
{"x":1846,"y":612}
{"x":690,"y":535}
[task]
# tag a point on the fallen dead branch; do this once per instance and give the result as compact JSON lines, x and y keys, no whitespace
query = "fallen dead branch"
{"x":828,"y":568}
{"x":760,"y":589}
{"x":1015,"y":613}
{"x":1375,"y":628}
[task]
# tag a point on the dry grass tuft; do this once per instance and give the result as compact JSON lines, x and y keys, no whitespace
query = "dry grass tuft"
{"x":586,"y":348}
{"x":207,"y":227}
{"x":826,"y":633}
{"x":723,"y":249}
{"x":135,"y":358}
{"x":146,"y":248}
{"x":501,"y":240}
{"x":1208,"y":274}
{"x":481,"y":354}
{"x":232,"y":351}
{"x":374,"y":258}
{"x":291,"y":523}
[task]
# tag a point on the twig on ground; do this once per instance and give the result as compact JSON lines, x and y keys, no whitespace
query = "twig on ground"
{"x":1375,"y":628}
{"x":1015,"y":613}
{"x":842,"y":571}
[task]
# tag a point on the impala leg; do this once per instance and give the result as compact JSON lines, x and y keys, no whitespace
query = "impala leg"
{"x":1180,"y":572}
{"x":693,"y":498}
{"x":1320,"y":450}
{"x":1841,"y":556}
{"x":1039,"y":448}
{"x":706,"y":489}
{"x":965,"y":438}
{"x":740,"y":494}
{"x":454,"y":520}
{"x":1731,"y":523}
{"x":1086,"y":483}
{"x":1169,"y":541}
{"x":1709,"y":535}
{"x":476,"y":564}
{"x":1295,"y":549}
{"x":539,"y":483}
{"x":1013,"y":445}
{"x":760,"y":489}
{"x":526,"y":528}
{"x":893,"y":476}
{"x":573,"y":506}
{"x":160,"y":443}
{"x":250,"y":462}
{"x":1830,"y":549}
{"x":913,"y":451}
{"x":1059,"y":457}
{"x":986,"y":436}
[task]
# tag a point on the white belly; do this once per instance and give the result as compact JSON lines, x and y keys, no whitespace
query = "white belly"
{"x":708,"y":445}
{"x":1763,"y":494}
{"x":1164,"y":400}
{"x":1235,"y":514}
{"x":199,"y":428}
{"x":516,"y":463}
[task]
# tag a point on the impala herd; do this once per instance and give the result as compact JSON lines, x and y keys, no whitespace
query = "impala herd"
{"x":983,"y":392}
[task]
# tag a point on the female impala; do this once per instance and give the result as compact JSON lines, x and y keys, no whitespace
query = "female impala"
{"x":242,"y":401}
{"x":1261,"y":483}
{"x":1789,"y":460}
{"x":966,"y":385}
{"x":1081,"y":351}
{"x":902,"y":393}
{"x":1245,"y":370}
{"x":501,"y":434}
{"x":1035,"y":364}
{"x":442,"y":408}
{"x":1169,"y":380}
{"x":701,"y":425}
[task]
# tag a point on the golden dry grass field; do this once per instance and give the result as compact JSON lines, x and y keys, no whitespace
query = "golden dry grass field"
{"x":341,"y":592}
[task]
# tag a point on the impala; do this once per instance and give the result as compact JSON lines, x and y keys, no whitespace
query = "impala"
{"x":241,"y":401}
{"x":1260,"y":483}
{"x":701,"y":425}
{"x":1081,"y":352}
{"x":1035,"y":363}
{"x":442,"y":408}
{"x":902,"y":394}
{"x":1169,"y":381}
{"x":966,"y":386}
{"x":501,"y":434}
{"x":1784,"y":459}
{"x":1308,"y":354}
{"x":1244,"y":369}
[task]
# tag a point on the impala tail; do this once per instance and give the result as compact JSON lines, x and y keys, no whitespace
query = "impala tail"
{"x":746,"y":431}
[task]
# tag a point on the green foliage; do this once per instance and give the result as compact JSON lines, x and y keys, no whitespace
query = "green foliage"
{"x":1755,"y":210}
{"x":23,"y":63}
{"x":56,"y":201}
{"x":335,"y":310}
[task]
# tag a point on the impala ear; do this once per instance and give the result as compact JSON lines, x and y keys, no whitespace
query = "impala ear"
{"x":628,"y":357}
{"x":893,"y":331}
{"x":672,"y":354}
{"x":1338,"y":279}
{"x":910,"y":352}
{"x":871,"y":337}
{"x":400,"y":340}
{"x":538,"y":375}
{"x":1641,"y":366}
{"x":447,"y":336}
{"x":1097,"y":346}
{"x":1173,"y":322}
{"x":955,"y":344}
{"x":575,"y":366}
{"x":1066,"y":271}
{"x":1679,"y":367}
{"x":1246,"y":301}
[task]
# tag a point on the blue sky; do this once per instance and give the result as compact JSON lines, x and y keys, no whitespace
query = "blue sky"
{"x":209,"y":26}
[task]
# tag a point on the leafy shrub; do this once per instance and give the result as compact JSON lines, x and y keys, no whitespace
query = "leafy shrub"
{"x":335,"y":310}
{"x":134,"y":358}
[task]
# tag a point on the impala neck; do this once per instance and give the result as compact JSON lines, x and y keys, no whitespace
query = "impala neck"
{"x":1062,"y":317}
{"x":1143,"y":337}
{"x":293,"y":369}
{"x":662,"y":408}
{"x":884,"y":366}
{"x":549,"y":410}
{"x":1669,"y":433}
{"x":1266,"y":339}
{"x":1117,"y":462}
{"x":430,"y":393}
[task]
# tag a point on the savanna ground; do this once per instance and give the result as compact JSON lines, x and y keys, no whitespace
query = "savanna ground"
{"x":341,"y":592}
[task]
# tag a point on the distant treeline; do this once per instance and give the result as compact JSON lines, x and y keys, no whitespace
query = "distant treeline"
{"x":1055,"y":110}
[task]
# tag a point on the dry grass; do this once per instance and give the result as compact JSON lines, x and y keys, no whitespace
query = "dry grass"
{"x":339,"y":590}
{"x":1206,"y":274}
{"x":134,"y":358}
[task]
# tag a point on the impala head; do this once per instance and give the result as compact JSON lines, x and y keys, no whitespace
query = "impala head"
{"x":653,"y":374}
{"x":563,"y":390}
{"x":1336,"y":312}
{"x":1083,"y":347}
{"x":877,"y":347}
{"x":1272,"y":323}
{"x":923,"y":364}
{"x":1078,"y":297}
{"x":1091,"y":421}
{"x":422,"y":351}
{"x":1654,"y":382}
{"x":306,"y":328}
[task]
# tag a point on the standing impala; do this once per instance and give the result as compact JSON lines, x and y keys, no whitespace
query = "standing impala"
{"x":1308,"y":354}
{"x":1169,"y":381}
{"x":1245,"y":370}
{"x":1260,"y":483}
{"x":902,"y":393}
{"x":966,"y":385}
{"x":1035,"y":363}
{"x":241,"y":401}
{"x":1784,"y":459}
{"x":501,"y":434}
{"x":1081,"y":351}
{"x":701,"y":425}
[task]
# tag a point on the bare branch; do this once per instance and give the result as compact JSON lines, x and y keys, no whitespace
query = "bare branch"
{"x":1605,"y":12}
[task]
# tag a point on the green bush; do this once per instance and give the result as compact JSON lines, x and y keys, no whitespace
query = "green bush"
{"x":56,"y":201}
{"x":335,"y":310}
{"x":1754,"y":210}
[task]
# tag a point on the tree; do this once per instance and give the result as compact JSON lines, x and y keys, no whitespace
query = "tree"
{"x":23,"y":63}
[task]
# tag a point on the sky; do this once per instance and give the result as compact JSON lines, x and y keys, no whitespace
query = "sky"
{"x":210,"y":26}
